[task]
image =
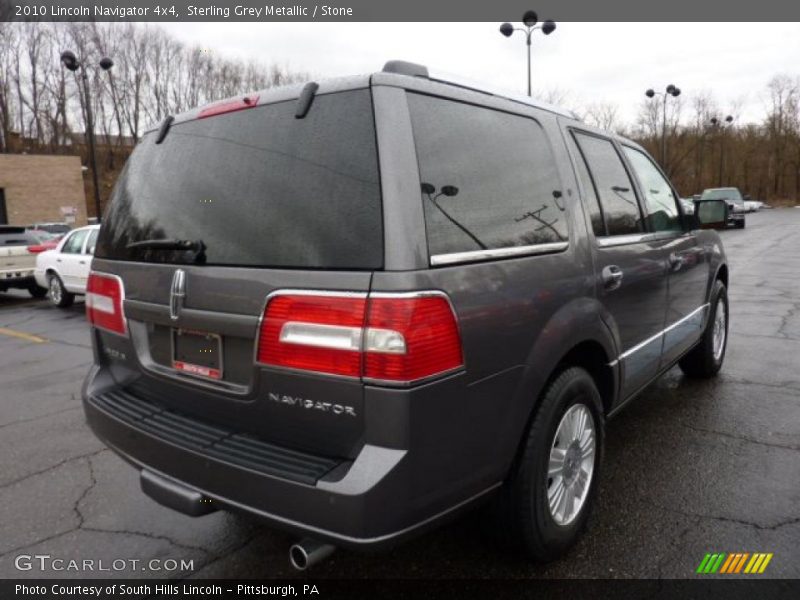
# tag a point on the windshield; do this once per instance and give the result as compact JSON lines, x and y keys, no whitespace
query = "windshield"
{"x":731,"y":194}
{"x":258,"y":187}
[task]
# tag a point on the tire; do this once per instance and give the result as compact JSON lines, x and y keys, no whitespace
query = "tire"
{"x":37,"y":292}
{"x":706,"y":358}
{"x":524,"y":515}
{"x":740,"y":224}
{"x":58,"y":295}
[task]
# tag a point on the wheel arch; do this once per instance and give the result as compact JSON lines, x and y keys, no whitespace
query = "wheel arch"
{"x":576,"y":335}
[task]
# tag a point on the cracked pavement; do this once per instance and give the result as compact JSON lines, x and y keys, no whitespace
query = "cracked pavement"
{"x":690,"y":467}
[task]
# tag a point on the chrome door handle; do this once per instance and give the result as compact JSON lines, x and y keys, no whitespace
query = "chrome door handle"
{"x":675,"y":261}
{"x":612,"y":277}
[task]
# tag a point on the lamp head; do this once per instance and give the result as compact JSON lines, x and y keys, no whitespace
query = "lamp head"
{"x":548,"y":27}
{"x":69,"y":60}
{"x":449,"y":190}
{"x":507,"y":29}
{"x":106,"y":63}
{"x":650,"y":93}
{"x":530,"y":18}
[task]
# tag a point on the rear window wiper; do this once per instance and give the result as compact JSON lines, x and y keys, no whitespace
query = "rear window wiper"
{"x":196,"y":246}
{"x":168,"y":244}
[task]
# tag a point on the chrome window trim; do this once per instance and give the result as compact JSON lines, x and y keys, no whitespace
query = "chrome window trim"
{"x":454,"y":258}
{"x":661,"y":333}
{"x":608,"y":241}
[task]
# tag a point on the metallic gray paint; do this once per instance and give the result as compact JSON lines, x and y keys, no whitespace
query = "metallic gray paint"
{"x":415,"y":454}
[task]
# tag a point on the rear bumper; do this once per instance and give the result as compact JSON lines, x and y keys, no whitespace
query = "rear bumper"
{"x":365,"y":503}
{"x":17,"y":279}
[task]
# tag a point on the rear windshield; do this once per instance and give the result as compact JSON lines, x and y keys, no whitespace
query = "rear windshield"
{"x":257,"y":187}
{"x":17,"y":237}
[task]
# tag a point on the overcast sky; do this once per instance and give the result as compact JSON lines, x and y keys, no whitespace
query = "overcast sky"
{"x":594,"y":62}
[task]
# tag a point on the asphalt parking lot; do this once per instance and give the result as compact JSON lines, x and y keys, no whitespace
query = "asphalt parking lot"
{"x":690,"y":468}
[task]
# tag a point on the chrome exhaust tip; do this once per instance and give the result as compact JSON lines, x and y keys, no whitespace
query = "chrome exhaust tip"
{"x":306,"y":553}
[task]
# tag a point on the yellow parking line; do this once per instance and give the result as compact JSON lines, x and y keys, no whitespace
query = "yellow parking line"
{"x":23,"y":336}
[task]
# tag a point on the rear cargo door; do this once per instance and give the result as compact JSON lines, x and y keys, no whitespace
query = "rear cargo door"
{"x":265,"y":205}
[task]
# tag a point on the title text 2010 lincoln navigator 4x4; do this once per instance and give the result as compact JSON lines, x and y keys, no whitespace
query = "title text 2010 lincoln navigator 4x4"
{"x":354,"y":308}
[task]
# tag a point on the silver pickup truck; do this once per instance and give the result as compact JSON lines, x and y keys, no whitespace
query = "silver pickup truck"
{"x":17,"y":260}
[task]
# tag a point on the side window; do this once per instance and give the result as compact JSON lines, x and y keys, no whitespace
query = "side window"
{"x":488,"y":178}
{"x":91,"y":242}
{"x":612,"y":184}
{"x":660,"y":203}
{"x":75,"y":242}
{"x":591,"y":202}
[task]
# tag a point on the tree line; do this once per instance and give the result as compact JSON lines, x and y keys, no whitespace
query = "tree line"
{"x":154,"y":75}
{"x":42,"y":106}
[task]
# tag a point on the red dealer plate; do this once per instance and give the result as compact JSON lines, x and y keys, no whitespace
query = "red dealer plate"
{"x":197,"y":353}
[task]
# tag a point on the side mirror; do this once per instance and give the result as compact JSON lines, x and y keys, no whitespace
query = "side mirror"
{"x":711,"y":214}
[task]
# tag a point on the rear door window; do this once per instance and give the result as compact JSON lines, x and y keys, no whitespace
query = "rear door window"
{"x":612,"y":185}
{"x":488,"y":179}
{"x":259,"y":187}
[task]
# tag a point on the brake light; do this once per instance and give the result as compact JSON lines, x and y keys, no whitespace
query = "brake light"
{"x":36,"y":249}
{"x":104,"y":296}
{"x":397,"y":338}
{"x":228,"y":106}
{"x":411,"y":338}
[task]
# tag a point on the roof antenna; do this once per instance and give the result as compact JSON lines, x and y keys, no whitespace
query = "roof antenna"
{"x":305,"y":99}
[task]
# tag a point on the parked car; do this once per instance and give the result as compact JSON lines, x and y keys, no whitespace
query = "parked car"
{"x":17,"y":260}
{"x":371,"y":303}
{"x":64,"y":270}
{"x":47,"y":240}
{"x":57,"y":228}
{"x":735,"y":200}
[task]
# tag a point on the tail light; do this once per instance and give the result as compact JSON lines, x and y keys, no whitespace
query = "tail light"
{"x":36,"y":249}
{"x":104,"y":296}
{"x":391,"y":338}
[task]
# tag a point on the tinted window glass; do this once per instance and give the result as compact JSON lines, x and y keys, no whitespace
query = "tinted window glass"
{"x":488,"y":178}
{"x":614,"y":187}
{"x":74,"y":242}
{"x":258,"y":187}
{"x":660,"y":203}
{"x":591,"y":202}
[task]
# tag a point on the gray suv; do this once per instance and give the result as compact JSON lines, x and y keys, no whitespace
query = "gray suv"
{"x":355,"y":308}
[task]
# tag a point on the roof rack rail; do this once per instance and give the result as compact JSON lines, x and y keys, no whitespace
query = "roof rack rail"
{"x":402,"y":67}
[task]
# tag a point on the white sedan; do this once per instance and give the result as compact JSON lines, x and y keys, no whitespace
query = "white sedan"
{"x":63,"y":271}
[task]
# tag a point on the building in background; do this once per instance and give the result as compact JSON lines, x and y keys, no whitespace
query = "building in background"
{"x":37,"y":188}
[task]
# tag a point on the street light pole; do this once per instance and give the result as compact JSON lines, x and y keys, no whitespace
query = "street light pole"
{"x":722,"y":129}
{"x":528,"y":42}
{"x":71,"y":63}
{"x":673,"y":91}
{"x":529,"y":19}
